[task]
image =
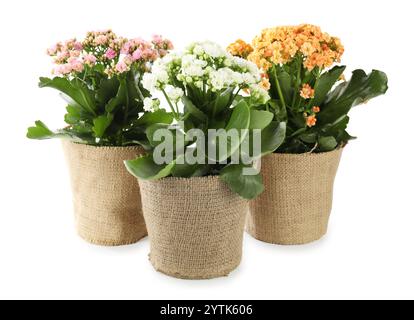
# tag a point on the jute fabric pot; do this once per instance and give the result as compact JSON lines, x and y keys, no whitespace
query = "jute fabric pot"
{"x":195,"y":226}
{"x":105,"y":196}
{"x":297,"y":202}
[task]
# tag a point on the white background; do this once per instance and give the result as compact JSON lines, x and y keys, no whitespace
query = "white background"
{"x":369,"y":251}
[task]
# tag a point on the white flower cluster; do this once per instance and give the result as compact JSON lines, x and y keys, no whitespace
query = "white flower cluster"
{"x":205,"y":65}
{"x":151,"y":104}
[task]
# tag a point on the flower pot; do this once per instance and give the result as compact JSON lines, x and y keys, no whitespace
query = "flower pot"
{"x":195,"y":226}
{"x":105,"y":196}
{"x":297,"y":202}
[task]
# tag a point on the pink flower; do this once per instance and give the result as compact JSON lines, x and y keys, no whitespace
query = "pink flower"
{"x":52,"y":50}
{"x":78,"y":46}
{"x":121,"y":67}
{"x":126,"y":47}
{"x":76,"y":64}
{"x":157,"y":39}
{"x":137,"y":55}
{"x":150,"y":54}
{"x":110,"y":54}
{"x":101,"y":40}
{"x":89,"y":59}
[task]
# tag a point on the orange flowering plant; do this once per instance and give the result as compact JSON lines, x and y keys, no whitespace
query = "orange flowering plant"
{"x":307,"y":87}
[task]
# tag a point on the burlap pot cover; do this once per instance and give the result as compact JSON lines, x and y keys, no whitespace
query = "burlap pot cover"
{"x":297,"y":202}
{"x":195,"y":226}
{"x":105,"y":196}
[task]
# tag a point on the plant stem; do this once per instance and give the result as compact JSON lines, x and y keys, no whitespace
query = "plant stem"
{"x":279,"y":90}
{"x":175,"y":113}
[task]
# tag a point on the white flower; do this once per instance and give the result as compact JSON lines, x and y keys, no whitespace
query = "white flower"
{"x":151,"y":105}
{"x":175,"y":94}
{"x":259,"y":95}
{"x":149,"y":82}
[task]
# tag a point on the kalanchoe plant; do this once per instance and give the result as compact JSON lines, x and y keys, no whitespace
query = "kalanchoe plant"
{"x":100,"y":79}
{"x":307,"y":92}
{"x":204,"y":89}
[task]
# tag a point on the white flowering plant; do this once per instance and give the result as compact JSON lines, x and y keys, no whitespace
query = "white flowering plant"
{"x":100,"y":79}
{"x":208,"y":90}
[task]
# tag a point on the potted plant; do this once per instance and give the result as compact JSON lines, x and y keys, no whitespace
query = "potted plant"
{"x":99,"y":78}
{"x":194,"y":200}
{"x":313,"y":97}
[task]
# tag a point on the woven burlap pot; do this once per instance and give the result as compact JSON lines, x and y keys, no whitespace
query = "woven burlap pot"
{"x":297,"y":202}
{"x":105,"y":196}
{"x":195,"y":226}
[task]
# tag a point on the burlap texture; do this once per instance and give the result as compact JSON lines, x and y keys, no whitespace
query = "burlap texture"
{"x":105,"y":196}
{"x":195,"y":226}
{"x":297,"y":202}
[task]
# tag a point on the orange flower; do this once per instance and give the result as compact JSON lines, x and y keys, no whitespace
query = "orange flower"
{"x":265,"y":83}
{"x":307,"y":92}
{"x":240,"y":49}
{"x":316,"y":109}
{"x":311,"y":121}
{"x":282,"y":44}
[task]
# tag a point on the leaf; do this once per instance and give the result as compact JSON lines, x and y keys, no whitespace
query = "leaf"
{"x":75,"y":90}
{"x":108,"y":89}
{"x":150,"y":118}
{"x":40,"y":132}
{"x":359,"y":89}
{"x":189,"y":171}
{"x":197,"y":113}
{"x":278,"y":110}
{"x":325,"y":84}
{"x":273,"y":137}
{"x":240,"y":121}
{"x":101,"y":123}
{"x":327,"y":144}
{"x":121,"y":98}
{"x":260,"y":119}
{"x":73,"y":116}
{"x":222,"y":101}
{"x":247,"y":186}
{"x":145,"y":168}
{"x":240,"y":117}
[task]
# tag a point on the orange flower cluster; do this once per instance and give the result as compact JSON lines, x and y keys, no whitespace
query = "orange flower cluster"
{"x":240,"y":49}
{"x":282,"y":44}
{"x":311,"y":119}
{"x":307,"y":92}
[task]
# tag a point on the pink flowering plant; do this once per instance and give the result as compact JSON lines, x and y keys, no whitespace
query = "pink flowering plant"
{"x":100,"y":79}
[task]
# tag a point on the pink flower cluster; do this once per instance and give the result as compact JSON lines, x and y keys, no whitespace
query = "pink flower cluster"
{"x":139,"y":50}
{"x":103,"y":48}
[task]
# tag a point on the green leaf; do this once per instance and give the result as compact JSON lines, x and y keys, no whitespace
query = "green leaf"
{"x":360,"y":89}
{"x":222,"y":101}
{"x":121,"y":98}
{"x":327,"y":144}
{"x":279,"y":111}
{"x":240,"y":121}
{"x":247,"y":186}
{"x":145,"y":168}
{"x":108,"y":89}
{"x":240,"y":117}
{"x":150,"y":118}
{"x":190,"y":107}
{"x":273,"y":137}
{"x":325,"y":84}
{"x":40,"y":132}
{"x":189,"y":171}
{"x":260,"y":119}
{"x":101,"y":123}
{"x":77,"y":92}
{"x":73,"y":116}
